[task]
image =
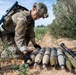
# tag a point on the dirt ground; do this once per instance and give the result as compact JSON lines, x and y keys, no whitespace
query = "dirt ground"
{"x":47,"y":41}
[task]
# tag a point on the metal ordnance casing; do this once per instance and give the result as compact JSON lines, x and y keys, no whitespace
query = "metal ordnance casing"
{"x":33,"y":54}
{"x":73,"y":63}
{"x":53,"y":56}
{"x":61,"y":59}
{"x":68,"y":50}
{"x":39,"y":56}
{"x":72,"y":60}
{"x":46,"y":57}
{"x":68,"y":65}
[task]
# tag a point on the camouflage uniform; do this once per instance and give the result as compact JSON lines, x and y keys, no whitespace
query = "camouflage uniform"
{"x":21,"y":28}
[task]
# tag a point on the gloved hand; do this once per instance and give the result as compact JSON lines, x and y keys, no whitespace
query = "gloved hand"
{"x":37,"y":46}
{"x":26,"y":57}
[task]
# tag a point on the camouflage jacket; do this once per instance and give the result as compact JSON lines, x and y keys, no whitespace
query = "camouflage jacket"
{"x":22,"y":25}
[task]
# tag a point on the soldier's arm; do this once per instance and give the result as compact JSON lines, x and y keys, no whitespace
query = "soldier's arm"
{"x":35,"y":44}
{"x":20,"y":31}
{"x":32,"y":35}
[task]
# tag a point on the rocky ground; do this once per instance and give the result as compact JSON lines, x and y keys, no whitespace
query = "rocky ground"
{"x":47,"y":41}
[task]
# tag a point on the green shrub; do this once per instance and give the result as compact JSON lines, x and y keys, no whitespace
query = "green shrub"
{"x":23,"y":70}
{"x":40,"y":32}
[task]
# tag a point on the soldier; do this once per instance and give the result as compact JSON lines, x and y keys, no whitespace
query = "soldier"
{"x":20,"y":30}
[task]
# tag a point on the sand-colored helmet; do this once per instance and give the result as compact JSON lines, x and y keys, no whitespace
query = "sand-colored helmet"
{"x":41,"y":9}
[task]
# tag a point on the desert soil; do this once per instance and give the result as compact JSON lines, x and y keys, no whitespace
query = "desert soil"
{"x":47,"y":41}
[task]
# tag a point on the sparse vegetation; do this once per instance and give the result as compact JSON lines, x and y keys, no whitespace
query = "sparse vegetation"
{"x":40,"y":32}
{"x":23,"y":70}
{"x":15,"y":66}
{"x":64,"y":25}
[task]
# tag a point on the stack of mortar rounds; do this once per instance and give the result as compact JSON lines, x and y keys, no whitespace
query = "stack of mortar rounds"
{"x":46,"y":57}
{"x":71,"y":60}
{"x":53,"y":57}
{"x":68,"y":50}
{"x":39,"y":57}
{"x":70,"y":57}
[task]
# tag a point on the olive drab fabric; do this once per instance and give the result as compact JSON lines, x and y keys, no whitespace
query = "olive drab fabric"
{"x":22,"y":25}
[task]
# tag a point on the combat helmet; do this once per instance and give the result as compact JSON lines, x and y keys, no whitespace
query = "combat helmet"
{"x":41,"y":9}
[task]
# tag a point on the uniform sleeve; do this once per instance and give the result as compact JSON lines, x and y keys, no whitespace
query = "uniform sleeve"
{"x":20,"y":31}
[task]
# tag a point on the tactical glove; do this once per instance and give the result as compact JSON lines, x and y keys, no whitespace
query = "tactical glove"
{"x":26,"y":57}
{"x":37,"y":46}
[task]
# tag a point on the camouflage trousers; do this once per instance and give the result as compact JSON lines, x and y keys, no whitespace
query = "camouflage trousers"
{"x":10,"y":50}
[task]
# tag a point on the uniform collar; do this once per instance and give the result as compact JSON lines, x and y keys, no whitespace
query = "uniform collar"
{"x":30,"y":14}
